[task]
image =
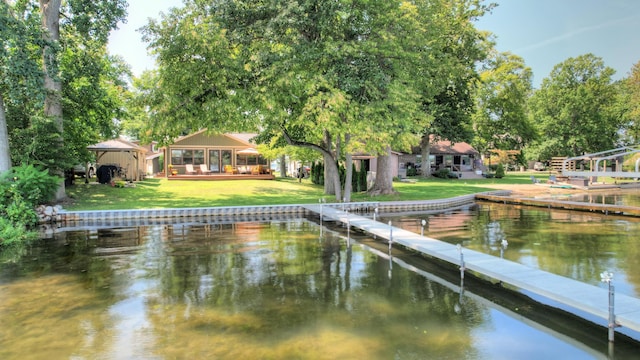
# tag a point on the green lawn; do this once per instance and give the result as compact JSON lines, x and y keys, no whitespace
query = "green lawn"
{"x":161,"y":193}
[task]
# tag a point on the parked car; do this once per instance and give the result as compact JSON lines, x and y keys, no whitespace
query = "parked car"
{"x":85,"y":169}
{"x":538,"y":166}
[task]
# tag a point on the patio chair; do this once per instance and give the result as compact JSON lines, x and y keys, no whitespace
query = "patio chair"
{"x":189,"y":169}
{"x":204,"y":170}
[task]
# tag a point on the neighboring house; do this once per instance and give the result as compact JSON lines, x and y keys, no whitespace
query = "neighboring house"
{"x":370,"y":163}
{"x":128,"y":157}
{"x":457,"y":157}
{"x":220,"y":153}
{"x":152,"y":159}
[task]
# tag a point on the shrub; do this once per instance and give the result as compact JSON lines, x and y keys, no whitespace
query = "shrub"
{"x":17,"y":210}
{"x":442,"y":173}
{"x":362,"y":179}
{"x":36,"y":186}
{"x":14,"y":234}
{"x":499,"y":171}
{"x":412,"y":171}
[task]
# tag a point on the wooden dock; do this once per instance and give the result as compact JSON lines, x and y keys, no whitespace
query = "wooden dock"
{"x":565,"y":205}
{"x":591,"y":300}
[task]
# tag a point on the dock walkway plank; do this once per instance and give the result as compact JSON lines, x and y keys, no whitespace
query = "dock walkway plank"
{"x":591,"y":299}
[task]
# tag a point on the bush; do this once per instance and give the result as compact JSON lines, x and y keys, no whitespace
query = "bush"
{"x":442,"y":173}
{"x":17,"y":210}
{"x":14,"y":234}
{"x":36,"y":186}
{"x":21,"y":189}
{"x":499,"y":171}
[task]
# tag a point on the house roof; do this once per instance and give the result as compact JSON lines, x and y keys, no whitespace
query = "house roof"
{"x":116,"y":145}
{"x":445,"y":147}
{"x":244,"y":138}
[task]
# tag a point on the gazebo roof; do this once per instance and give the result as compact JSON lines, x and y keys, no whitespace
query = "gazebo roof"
{"x":116,"y":145}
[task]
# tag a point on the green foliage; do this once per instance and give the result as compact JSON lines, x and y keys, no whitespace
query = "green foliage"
{"x":14,"y":234}
{"x":573,"y":109}
{"x":317,"y":173}
{"x":34,"y":185}
{"x":354,"y":178}
{"x":442,"y":173}
{"x":16,"y":208}
{"x":362,"y":179}
{"x":500,"y":118}
{"x":499,"y":171}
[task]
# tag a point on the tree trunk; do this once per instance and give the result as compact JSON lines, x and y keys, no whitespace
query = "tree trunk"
{"x":384,"y":177}
{"x":425,"y":150}
{"x":53,"y":87}
{"x":349,"y":170}
{"x":5,"y":154}
{"x":283,"y":166}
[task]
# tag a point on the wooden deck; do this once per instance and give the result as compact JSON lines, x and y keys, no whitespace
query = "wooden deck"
{"x":215,"y":177}
{"x":590,"y":299}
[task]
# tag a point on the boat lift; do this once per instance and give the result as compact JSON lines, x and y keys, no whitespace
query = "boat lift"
{"x":598,"y":164}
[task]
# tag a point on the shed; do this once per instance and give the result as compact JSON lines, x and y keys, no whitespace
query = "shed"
{"x":127,"y":156}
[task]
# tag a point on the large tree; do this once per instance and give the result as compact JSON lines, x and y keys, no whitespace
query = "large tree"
{"x":20,"y":71}
{"x":460,"y":49}
{"x":71,"y":34}
{"x":629,"y":104}
{"x":572,"y":109}
{"x":501,"y":119}
{"x":335,"y":77}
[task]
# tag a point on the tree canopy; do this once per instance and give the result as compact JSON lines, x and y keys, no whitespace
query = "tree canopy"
{"x":572,"y":109}
{"x":57,"y":80}
{"x":501,"y":118}
{"x":336,"y":77}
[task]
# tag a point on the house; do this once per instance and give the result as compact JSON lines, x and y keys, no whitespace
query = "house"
{"x":128,"y":158}
{"x":458,"y":157}
{"x":370,"y":163}
{"x":232,"y":154}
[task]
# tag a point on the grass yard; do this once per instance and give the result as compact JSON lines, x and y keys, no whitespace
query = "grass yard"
{"x":160,"y":193}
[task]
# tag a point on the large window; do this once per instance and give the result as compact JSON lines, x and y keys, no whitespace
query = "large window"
{"x":184,"y":156}
{"x":251,"y":159}
{"x":226,"y":157}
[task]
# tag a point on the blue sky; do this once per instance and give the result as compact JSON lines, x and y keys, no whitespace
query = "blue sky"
{"x":543,"y":32}
{"x":547,"y":32}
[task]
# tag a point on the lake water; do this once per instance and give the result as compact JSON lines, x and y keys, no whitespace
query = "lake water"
{"x":289,"y":290}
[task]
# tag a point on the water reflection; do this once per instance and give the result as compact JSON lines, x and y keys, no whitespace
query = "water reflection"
{"x":578,"y":245}
{"x":245,"y":290}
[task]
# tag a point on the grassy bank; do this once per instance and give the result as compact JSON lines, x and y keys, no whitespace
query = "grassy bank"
{"x":161,"y":193}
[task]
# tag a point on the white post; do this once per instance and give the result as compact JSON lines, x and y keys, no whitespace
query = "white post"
{"x":462,"y":268}
{"x":608,"y":278}
{"x":390,"y":236}
{"x":503,"y":247}
{"x":424,"y":222}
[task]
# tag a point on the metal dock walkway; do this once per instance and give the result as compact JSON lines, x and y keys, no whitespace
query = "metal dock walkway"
{"x":590,"y":299}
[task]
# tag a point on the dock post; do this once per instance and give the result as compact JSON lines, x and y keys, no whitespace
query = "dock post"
{"x":608,"y":278}
{"x":503,"y":247}
{"x":375,"y":212}
{"x":348,"y":229}
{"x":424,"y":222}
{"x":390,"y":236}
{"x":462,"y":268}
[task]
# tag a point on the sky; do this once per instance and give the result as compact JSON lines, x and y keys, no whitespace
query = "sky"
{"x":543,"y":32}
